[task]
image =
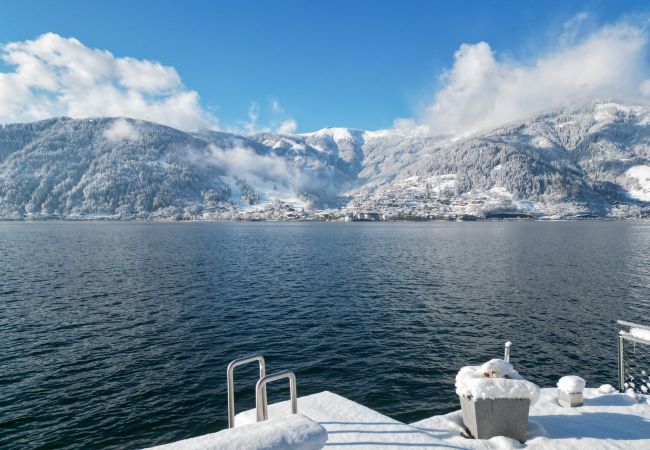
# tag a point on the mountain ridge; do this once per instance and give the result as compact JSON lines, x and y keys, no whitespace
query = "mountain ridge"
{"x":591,"y":159}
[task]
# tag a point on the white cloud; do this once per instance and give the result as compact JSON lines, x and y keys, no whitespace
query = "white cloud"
{"x":251,"y":127}
{"x":482,"y":91}
{"x":275,"y":120}
{"x":246,"y":163}
{"x":288,"y":126}
{"x":57,"y":76}
{"x":121,"y":130}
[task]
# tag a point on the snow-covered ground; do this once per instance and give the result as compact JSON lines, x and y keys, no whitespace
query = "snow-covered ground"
{"x":351,"y":425}
{"x":607,"y":420}
{"x":292,"y":432}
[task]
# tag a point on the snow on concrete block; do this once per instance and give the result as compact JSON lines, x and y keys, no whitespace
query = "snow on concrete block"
{"x":495,"y":400}
{"x":569,"y":392}
{"x":292,"y":432}
{"x":494,"y":379}
{"x":571,"y":384}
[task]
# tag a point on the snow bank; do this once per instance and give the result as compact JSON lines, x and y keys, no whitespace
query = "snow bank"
{"x":640,"y":333}
{"x":571,"y":384}
{"x":352,"y":426}
{"x":605,"y":421}
{"x":606,"y":389}
{"x":293,"y":432}
{"x":494,"y":379}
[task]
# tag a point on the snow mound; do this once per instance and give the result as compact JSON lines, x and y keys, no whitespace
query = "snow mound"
{"x":494,"y":379}
{"x":571,"y":384}
{"x":606,"y":389}
{"x":610,"y":421}
{"x":640,"y":333}
{"x":293,"y":432}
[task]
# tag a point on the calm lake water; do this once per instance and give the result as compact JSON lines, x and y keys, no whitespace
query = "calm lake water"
{"x":117,"y":335}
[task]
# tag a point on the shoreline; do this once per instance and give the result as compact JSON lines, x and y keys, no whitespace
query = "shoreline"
{"x":415,"y":220}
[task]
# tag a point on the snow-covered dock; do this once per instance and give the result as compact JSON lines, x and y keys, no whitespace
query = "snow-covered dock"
{"x":496,"y":402}
{"x":607,"y":420}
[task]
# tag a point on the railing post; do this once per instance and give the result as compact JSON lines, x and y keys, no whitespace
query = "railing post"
{"x":621,"y":364}
{"x":260,"y":393}
{"x":230,"y":371}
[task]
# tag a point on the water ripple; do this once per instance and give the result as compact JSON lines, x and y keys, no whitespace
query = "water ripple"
{"x":116,"y":335}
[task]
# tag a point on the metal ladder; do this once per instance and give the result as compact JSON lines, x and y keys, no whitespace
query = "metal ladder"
{"x":261,"y":401}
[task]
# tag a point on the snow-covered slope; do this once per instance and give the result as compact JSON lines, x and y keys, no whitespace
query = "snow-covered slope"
{"x":592,"y":159}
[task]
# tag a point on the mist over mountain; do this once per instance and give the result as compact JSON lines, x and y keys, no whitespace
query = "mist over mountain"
{"x":588,"y":160}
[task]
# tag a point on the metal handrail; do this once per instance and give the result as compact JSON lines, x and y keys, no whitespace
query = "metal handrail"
{"x":622,"y":337}
{"x":260,"y":393}
{"x":230,"y":371}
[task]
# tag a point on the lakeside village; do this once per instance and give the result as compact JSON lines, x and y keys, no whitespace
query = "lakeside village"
{"x":279,"y":211}
{"x":473,"y":207}
{"x":407,"y":200}
{"x":410,"y":199}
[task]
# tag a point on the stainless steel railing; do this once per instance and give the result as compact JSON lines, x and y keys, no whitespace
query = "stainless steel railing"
{"x":260,"y":393}
{"x":635,"y":376}
{"x":230,"y":372}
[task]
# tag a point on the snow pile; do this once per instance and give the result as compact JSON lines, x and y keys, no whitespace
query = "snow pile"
{"x":571,"y":384}
{"x":640,"y":333}
{"x":605,"y":421}
{"x":494,"y":379}
{"x":606,"y":389}
{"x":351,"y":426}
{"x":293,"y":432}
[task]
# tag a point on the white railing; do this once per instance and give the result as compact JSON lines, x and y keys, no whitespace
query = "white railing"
{"x":633,"y":358}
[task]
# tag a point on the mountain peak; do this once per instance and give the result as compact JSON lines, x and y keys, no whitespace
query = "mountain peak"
{"x":592,"y":158}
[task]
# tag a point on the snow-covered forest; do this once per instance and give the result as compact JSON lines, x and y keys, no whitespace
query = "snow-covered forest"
{"x":589,"y":160}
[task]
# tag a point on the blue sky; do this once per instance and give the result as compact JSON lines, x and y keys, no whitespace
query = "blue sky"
{"x":359,"y":64}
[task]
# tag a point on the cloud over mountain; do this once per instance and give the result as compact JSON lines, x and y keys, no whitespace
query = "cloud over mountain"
{"x":58,"y":76}
{"x":482,"y":90}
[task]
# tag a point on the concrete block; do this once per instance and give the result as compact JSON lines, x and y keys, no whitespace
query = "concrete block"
{"x":486,"y":418}
{"x":569,"y":400}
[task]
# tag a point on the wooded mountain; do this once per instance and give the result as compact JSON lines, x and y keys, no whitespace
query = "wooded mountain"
{"x":592,"y":159}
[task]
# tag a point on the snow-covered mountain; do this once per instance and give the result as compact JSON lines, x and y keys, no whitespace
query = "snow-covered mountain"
{"x":587,"y":160}
{"x":592,"y":159}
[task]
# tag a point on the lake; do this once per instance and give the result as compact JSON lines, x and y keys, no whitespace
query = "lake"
{"x":117,"y":335}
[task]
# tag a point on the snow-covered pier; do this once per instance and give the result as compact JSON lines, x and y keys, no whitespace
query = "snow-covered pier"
{"x":573,"y":418}
{"x":607,"y":420}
